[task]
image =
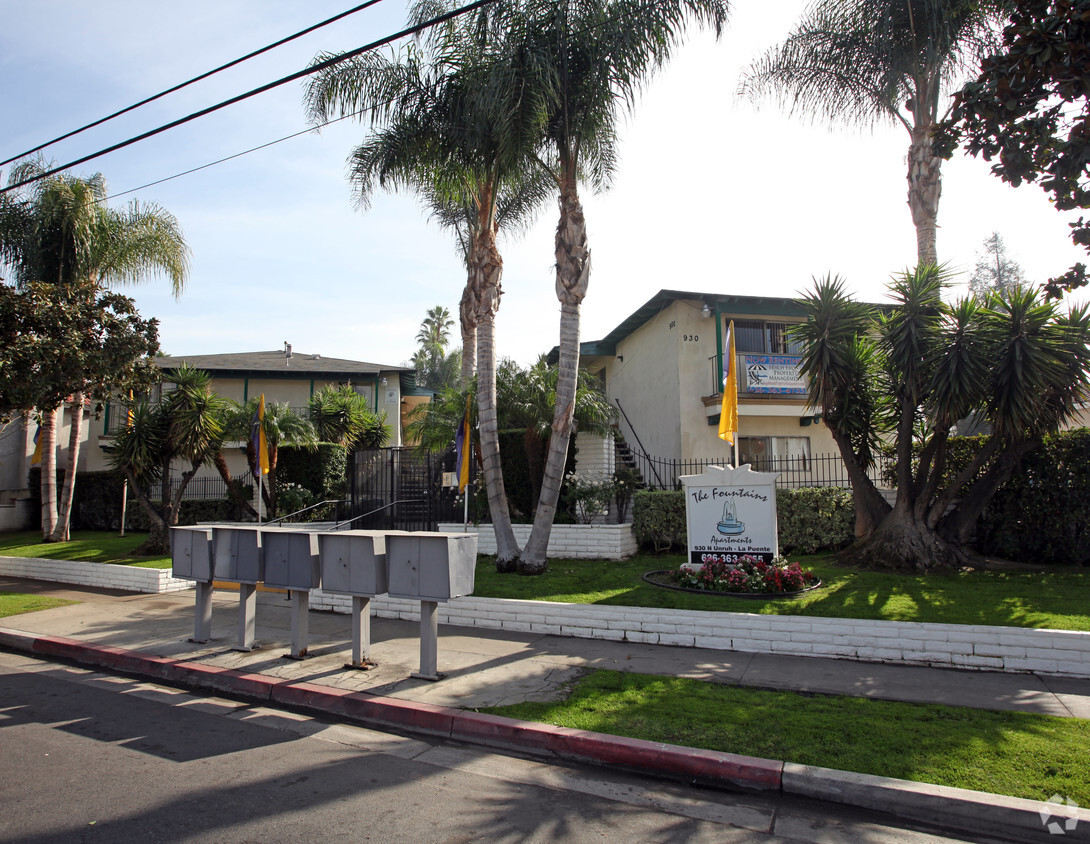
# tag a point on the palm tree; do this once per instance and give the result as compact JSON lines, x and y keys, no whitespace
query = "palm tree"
{"x":866,"y":62}
{"x":527,"y":398}
{"x":283,"y":426}
{"x":185,"y":425}
{"x":434,"y":333}
{"x":912,"y":372}
{"x":588,"y":59}
{"x":61,"y":232}
{"x":341,"y":415}
{"x":437,"y":131}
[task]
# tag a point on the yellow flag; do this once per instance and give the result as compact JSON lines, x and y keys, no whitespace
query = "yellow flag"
{"x":257,"y":435}
{"x":728,"y":414}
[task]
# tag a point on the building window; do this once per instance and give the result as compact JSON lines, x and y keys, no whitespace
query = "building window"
{"x":757,"y":337}
{"x":775,"y":454}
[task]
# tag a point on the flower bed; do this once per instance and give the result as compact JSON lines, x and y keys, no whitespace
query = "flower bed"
{"x":748,"y":576}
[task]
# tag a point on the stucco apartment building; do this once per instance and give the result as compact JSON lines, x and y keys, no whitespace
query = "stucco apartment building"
{"x":662,"y":367}
{"x":283,"y":376}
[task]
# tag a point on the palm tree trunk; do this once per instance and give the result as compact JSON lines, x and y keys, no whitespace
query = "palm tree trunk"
{"x":64,"y":515}
{"x":485,"y":271}
{"x":467,"y":317}
{"x":572,"y":279}
{"x":924,"y":189}
{"x":48,"y":439}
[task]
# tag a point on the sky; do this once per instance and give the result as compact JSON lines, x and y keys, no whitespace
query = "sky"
{"x":712,"y":193}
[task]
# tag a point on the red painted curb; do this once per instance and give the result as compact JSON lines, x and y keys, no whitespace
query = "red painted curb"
{"x":474,"y":727}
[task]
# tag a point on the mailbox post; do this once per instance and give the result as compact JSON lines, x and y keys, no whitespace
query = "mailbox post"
{"x":237,"y":557}
{"x":191,"y":556}
{"x":353,"y":562}
{"x":431,"y":567}
{"x":291,"y":562}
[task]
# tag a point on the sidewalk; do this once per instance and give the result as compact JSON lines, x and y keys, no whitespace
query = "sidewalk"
{"x":490,"y":668}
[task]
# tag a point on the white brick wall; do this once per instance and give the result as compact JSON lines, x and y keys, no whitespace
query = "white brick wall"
{"x":575,"y":542}
{"x":1063,"y":653}
{"x":595,"y":456}
{"x":1057,"y":652}
{"x":105,"y":575}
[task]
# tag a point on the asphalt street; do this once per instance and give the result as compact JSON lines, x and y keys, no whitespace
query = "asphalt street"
{"x":91,"y":757}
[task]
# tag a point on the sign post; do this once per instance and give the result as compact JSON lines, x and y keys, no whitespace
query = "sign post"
{"x":730,"y":513}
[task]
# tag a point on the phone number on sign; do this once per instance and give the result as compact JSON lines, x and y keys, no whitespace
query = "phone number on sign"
{"x":720,"y":558}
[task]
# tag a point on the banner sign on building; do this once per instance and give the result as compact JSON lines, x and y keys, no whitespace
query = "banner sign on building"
{"x":774,"y":374}
{"x":730,"y":513}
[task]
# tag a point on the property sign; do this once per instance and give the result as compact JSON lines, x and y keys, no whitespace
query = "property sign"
{"x":730,"y":512}
{"x":774,"y":374}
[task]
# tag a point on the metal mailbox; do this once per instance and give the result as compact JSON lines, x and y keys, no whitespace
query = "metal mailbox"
{"x":237,"y":553}
{"x":191,"y":553}
{"x":431,"y":566}
{"x":291,"y":559}
{"x":353,"y":562}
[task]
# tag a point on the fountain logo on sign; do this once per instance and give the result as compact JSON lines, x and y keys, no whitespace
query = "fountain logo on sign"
{"x":730,"y":513}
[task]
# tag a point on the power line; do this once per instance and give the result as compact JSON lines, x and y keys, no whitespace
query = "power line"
{"x":235,"y":155}
{"x":461,"y":10}
{"x":231,"y":64}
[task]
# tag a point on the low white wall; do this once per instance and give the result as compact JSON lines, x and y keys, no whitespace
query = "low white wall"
{"x":105,"y":575}
{"x":16,"y":515}
{"x":573,"y":542}
{"x":980,"y":647}
{"x":1061,"y":653}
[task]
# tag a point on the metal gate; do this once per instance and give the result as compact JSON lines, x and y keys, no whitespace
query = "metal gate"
{"x":401,"y":489}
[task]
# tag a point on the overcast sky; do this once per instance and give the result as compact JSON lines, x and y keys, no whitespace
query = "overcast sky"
{"x":711,"y":194}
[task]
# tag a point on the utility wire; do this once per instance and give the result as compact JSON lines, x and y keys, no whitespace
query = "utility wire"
{"x":236,"y":155}
{"x":231,"y":64}
{"x":299,"y":74}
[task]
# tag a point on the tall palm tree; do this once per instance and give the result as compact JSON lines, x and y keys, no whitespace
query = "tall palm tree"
{"x":589,"y":59}
{"x":437,"y":130}
{"x":60,"y":231}
{"x":866,"y":62}
{"x":434,"y":331}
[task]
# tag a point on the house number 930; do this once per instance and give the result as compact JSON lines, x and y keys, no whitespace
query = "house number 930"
{"x":690,"y":338}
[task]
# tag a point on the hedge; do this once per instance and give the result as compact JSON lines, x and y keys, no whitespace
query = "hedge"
{"x":809,"y":520}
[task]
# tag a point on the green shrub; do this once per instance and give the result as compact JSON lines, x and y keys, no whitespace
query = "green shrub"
{"x":658,"y":519}
{"x":322,"y":471}
{"x":1042,"y":514}
{"x":809,"y":520}
{"x":814,"y":519}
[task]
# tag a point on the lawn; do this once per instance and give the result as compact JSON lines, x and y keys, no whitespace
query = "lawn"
{"x":84,"y":546}
{"x":1056,"y":599}
{"x":1014,"y":753}
{"x":14,"y":603}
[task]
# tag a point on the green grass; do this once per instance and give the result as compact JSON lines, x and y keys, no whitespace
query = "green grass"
{"x":84,"y":546}
{"x":1013,"y":753}
{"x":14,"y":603}
{"x":1058,"y":599}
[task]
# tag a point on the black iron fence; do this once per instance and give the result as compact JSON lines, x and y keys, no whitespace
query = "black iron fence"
{"x":794,"y":472}
{"x":402,"y":489}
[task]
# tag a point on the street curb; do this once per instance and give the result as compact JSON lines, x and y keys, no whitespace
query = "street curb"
{"x":951,"y":808}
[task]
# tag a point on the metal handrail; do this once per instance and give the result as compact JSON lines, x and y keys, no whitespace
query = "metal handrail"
{"x":658,"y":477}
{"x":311,"y":507}
{"x":378,"y":510}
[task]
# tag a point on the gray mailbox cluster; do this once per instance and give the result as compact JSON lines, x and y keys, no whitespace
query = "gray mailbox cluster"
{"x":427,"y":567}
